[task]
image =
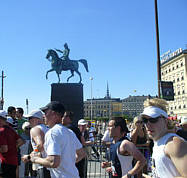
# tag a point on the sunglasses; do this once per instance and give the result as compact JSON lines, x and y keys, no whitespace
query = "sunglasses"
{"x":151,"y":120}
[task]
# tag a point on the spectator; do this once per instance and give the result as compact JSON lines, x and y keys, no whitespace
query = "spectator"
{"x":9,"y":142}
{"x":139,"y":134}
{"x":92,"y":133}
{"x":20,"y":120}
{"x":37,"y":134}
{"x":12,"y":116}
{"x":67,"y":121}
{"x":106,"y":139}
{"x":62,"y":147}
{"x":87,"y":143}
{"x":140,"y":139}
{"x":183,"y":131}
{"x":122,"y":151}
{"x":170,"y":150}
{"x":24,"y":168}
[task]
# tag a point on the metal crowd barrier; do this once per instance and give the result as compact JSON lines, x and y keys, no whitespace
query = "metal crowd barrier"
{"x":93,"y":167}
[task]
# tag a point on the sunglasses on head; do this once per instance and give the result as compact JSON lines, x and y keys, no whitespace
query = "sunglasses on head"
{"x":151,"y":120}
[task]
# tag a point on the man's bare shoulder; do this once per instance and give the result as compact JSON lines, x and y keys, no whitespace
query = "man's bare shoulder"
{"x":176,"y":147}
{"x":35,"y":131}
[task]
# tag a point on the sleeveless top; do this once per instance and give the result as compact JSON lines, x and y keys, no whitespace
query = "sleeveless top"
{"x":44,"y":129}
{"x":122,"y":164}
{"x":164,"y":167}
{"x":126,"y":163}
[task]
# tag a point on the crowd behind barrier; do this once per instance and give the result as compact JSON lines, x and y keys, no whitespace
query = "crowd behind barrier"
{"x":97,"y":152}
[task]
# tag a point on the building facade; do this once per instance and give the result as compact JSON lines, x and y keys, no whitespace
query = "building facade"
{"x":102,"y":107}
{"x":174,"y":69}
{"x":133,"y":105}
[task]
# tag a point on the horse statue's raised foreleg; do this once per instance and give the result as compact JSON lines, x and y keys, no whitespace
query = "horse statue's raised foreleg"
{"x":72,"y":74}
{"x":48,"y":72}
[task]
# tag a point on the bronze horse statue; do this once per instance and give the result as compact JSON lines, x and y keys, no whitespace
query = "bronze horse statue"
{"x":58,"y":65}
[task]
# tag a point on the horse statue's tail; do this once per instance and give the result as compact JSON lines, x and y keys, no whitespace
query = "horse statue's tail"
{"x":84,"y":62}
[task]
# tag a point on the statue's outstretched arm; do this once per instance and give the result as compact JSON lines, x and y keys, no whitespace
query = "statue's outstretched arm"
{"x":59,"y":50}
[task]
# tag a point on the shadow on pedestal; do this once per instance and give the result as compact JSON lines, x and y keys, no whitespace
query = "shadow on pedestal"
{"x":71,"y":95}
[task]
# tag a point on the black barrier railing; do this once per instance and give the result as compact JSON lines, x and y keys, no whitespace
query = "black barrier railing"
{"x":94,"y":169}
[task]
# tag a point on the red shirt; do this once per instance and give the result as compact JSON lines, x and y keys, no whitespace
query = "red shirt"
{"x":9,"y":137}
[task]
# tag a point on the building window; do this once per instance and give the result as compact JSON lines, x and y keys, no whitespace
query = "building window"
{"x":182,"y":78}
{"x":169,"y":70}
{"x":181,"y":64}
{"x":177,"y":66}
{"x":174,"y":81}
{"x":178,"y":92}
{"x":179,"y":106}
{"x":184,"y":106}
{"x":177,"y":79}
{"x":175,"y":107}
{"x":183,"y":92}
{"x":173,"y":68}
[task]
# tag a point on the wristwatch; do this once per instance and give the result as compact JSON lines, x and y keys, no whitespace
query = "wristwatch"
{"x":28,"y":157}
{"x":129,"y":175}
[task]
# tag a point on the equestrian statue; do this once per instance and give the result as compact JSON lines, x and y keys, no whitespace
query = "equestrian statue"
{"x":63,"y":63}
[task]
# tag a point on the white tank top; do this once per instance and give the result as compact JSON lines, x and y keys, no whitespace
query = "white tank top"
{"x":164,"y":166}
{"x":44,"y":129}
{"x":126,"y":163}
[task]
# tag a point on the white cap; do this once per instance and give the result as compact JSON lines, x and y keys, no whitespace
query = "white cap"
{"x":82,"y":122}
{"x":10,"y":120}
{"x":154,"y":112}
{"x":25,"y":124}
{"x":35,"y":113}
{"x":183,"y":120}
{"x":3,"y":114}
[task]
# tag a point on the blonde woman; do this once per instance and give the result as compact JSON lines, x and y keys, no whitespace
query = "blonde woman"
{"x":138,"y":134}
{"x":170,"y":150}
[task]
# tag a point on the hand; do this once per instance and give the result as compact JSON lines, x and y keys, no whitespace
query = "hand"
{"x":109,"y":169}
{"x":25,"y":159}
{"x":105,"y":164}
{"x":146,"y":176}
{"x":125,"y":176}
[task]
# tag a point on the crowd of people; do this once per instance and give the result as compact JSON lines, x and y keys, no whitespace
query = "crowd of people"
{"x":47,"y":144}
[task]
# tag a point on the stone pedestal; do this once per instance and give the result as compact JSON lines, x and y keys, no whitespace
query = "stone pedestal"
{"x":71,"y":95}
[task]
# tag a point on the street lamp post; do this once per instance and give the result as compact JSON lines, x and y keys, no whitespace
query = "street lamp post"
{"x":2,"y":98}
{"x":158,"y":48}
{"x":91,"y":78}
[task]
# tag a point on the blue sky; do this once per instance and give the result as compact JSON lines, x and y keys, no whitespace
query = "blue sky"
{"x":117,"y":38}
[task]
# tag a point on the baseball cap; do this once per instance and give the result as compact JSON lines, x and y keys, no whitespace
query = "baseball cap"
{"x":183,"y":120}
{"x":35,"y":113}
{"x":3,"y":114}
{"x":54,"y":106}
{"x":82,"y":122}
{"x":154,"y":112}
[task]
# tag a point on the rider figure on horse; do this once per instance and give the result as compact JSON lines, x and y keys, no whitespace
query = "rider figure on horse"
{"x":65,"y":52}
